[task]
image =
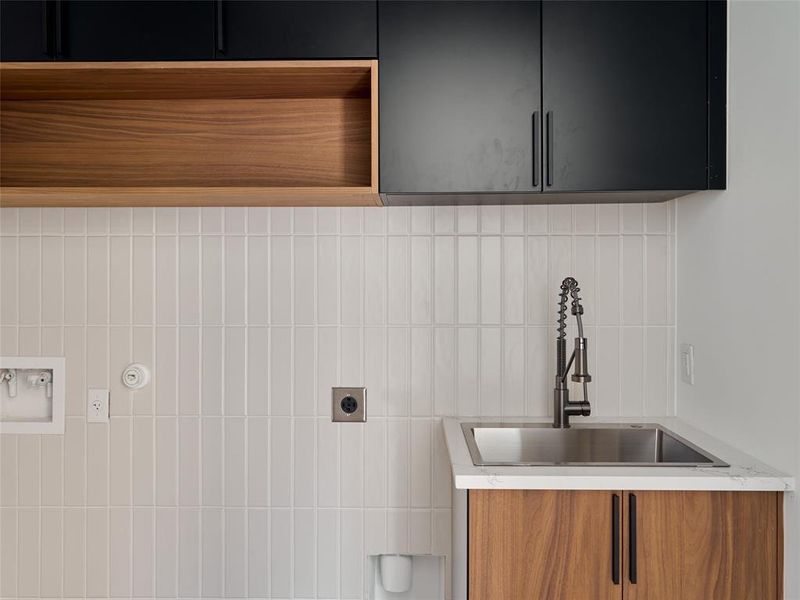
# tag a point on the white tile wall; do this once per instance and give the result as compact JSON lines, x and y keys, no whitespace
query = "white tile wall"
{"x":225,"y":477}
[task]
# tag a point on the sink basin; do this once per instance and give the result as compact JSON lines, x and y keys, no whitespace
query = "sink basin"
{"x":602,"y":444}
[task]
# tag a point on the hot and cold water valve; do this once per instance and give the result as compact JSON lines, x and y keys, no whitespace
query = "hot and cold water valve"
{"x":9,"y":377}
{"x":33,"y":378}
{"x":32,"y":394}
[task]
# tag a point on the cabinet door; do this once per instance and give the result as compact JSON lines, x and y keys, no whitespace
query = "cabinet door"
{"x":625,"y":88}
{"x":25,"y":32}
{"x":459,"y":86}
{"x":138,"y":30}
{"x":297,"y":30}
{"x":702,"y":545}
{"x":543,"y":545}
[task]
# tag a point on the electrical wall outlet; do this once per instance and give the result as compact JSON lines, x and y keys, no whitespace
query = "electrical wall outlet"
{"x":349,"y":405}
{"x":97,"y":406}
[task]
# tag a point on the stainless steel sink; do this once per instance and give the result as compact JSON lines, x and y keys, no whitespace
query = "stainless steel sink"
{"x":602,"y":444}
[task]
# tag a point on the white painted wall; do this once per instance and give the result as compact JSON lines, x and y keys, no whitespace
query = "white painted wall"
{"x":225,"y":475}
{"x":739,"y":260}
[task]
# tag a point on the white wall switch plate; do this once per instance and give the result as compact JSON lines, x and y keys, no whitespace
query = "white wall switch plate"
{"x":97,"y":406}
{"x":687,"y":363}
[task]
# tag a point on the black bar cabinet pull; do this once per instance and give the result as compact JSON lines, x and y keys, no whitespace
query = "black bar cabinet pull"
{"x":220,"y":28}
{"x":632,"y":538}
{"x":45,"y":29}
{"x":615,"y":539}
{"x":536,"y":161}
{"x":59,"y":34}
{"x":549,"y":136}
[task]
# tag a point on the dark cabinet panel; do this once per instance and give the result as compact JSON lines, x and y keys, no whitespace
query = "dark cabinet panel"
{"x":25,"y":30}
{"x":459,"y":89}
{"x":625,"y":95}
{"x":296,"y":30}
{"x":138,"y":30}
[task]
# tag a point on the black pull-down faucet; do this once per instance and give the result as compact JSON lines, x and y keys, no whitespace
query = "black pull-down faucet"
{"x":563,"y":408}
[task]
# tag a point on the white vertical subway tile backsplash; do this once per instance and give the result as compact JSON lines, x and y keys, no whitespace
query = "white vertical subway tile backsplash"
{"x":225,"y":477}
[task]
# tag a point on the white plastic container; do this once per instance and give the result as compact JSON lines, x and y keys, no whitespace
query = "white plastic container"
{"x":396,"y":572}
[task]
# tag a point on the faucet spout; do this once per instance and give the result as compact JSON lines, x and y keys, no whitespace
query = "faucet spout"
{"x":563,"y":407}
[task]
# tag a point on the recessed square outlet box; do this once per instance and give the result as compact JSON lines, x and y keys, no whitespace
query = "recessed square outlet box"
{"x":349,"y":404}
{"x":32,"y":394}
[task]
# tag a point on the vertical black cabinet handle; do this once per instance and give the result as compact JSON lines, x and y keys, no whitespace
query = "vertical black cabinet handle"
{"x":45,"y":29}
{"x":549,"y":136}
{"x":535,"y":136}
{"x":220,"y":27}
{"x":59,"y":32}
{"x":632,"y":566}
{"x":615,"y":533}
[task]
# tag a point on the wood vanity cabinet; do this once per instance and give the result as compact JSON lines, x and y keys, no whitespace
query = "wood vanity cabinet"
{"x":703,"y":545}
{"x":654,"y":545}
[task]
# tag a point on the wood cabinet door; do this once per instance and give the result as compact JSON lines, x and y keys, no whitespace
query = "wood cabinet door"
{"x":542,"y":545}
{"x":702,"y":545}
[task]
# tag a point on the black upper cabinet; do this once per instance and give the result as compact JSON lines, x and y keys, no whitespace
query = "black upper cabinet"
{"x":137,"y":30}
{"x":296,"y":30}
{"x":625,"y":95}
{"x":632,"y":100}
{"x":459,"y":90}
{"x":25,"y":30}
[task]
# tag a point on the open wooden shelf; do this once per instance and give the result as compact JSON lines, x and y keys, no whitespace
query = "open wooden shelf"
{"x":189,"y":133}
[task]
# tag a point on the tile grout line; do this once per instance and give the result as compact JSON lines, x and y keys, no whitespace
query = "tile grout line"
{"x":645,"y":312}
{"x":245,"y":410}
{"x":407,"y":399}
{"x":620,"y":295}
{"x":200,"y":412}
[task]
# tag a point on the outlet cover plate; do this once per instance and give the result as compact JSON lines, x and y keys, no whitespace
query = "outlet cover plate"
{"x":687,"y":363}
{"x":97,"y":406}
{"x":349,"y":404}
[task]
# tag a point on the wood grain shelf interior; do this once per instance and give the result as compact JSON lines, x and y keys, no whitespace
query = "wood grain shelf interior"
{"x":237,"y":133}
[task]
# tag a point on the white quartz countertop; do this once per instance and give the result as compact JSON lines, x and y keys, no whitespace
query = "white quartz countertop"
{"x":744,"y":473}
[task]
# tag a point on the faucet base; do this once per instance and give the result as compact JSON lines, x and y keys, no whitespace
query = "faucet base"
{"x":564,"y":408}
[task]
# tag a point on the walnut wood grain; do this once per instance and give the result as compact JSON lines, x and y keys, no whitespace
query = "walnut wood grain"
{"x":129,"y":143}
{"x":374,"y":127}
{"x":190,"y":133}
{"x":540,"y":545}
{"x":191,"y":196}
{"x":186,"y":79}
{"x":705,"y":546}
